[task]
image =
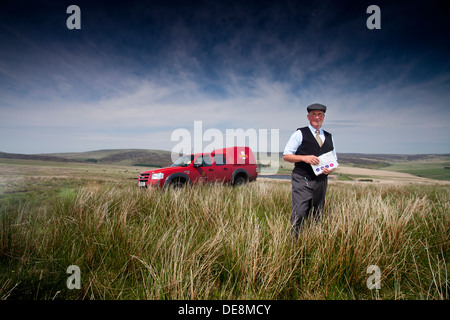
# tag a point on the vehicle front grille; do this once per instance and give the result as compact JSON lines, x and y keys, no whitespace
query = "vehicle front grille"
{"x":144,"y":177}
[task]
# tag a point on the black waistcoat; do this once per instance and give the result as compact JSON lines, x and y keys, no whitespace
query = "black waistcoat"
{"x":309,"y":146}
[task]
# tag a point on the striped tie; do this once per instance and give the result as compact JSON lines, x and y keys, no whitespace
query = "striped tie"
{"x":319,"y":141}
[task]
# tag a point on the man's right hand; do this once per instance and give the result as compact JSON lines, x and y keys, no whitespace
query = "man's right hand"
{"x":300,"y":158}
{"x":311,"y":160}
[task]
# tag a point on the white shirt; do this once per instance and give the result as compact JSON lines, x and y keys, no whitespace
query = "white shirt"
{"x":297,"y":137}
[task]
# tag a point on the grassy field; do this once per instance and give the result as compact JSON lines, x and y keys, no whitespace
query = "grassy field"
{"x":213,"y":241}
{"x":434,"y":170}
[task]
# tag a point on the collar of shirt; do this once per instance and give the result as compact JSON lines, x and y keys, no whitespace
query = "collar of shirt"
{"x":313,"y":130}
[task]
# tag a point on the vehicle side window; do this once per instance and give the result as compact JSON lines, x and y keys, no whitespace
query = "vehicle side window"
{"x":219,"y":159}
{"x":204,"y":160}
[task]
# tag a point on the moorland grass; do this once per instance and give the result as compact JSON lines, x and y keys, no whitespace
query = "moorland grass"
{"x":223,"y":242}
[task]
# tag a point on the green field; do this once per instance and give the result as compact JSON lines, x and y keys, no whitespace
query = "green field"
{"x":433,"y":170}
{"x":423,"y":165}
{"x":213,"y":241}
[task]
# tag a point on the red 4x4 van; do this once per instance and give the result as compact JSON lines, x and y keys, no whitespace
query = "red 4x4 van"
{"x":235,"y":165}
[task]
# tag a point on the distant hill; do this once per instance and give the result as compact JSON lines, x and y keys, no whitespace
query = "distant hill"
{"x":413,"y":163}
{"x":139,"y":157}
{"x":5,"y":155}
{"x":136,"y":157}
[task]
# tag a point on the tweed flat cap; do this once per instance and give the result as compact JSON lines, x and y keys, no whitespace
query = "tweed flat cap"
{"x":316,"y":106}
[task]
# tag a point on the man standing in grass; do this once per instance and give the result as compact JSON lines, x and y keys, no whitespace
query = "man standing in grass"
{"x":303,"y":149}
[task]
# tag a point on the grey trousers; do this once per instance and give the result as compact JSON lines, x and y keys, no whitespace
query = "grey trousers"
{"x":307,"y":196}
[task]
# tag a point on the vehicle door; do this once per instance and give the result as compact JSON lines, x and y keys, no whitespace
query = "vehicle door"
{"x":221,"y":169}
{"x":203,"y":166}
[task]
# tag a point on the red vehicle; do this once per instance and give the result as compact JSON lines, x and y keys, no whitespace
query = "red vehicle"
{"x":235,"y":165}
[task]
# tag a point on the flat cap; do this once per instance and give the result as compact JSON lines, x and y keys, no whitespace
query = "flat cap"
{"x":316,"y":106}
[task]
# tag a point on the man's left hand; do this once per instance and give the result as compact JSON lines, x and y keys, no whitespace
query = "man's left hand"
{"x":327,"y":171}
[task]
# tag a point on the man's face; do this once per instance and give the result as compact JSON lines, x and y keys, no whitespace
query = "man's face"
{"x":316,"y":118}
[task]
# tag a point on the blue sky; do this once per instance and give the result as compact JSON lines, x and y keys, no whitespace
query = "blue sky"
{"x":138,"y":70}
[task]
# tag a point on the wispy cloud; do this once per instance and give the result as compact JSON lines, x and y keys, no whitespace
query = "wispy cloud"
{"x":245,"y":67}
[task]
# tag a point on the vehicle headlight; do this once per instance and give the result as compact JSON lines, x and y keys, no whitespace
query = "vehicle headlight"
{"x":156,"y":176}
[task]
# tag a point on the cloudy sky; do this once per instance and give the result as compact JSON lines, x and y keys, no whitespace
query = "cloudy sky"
{"x":137,"y":71}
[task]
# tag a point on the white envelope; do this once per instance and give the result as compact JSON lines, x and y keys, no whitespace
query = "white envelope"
{"x":327,"y":160}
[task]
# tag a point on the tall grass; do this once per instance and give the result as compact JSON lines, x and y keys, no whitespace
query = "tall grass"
{"x":221,"y":242}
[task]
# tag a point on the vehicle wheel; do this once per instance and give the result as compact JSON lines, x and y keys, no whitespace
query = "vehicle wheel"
{"x":177,"y":184}
{"x":239,"y":180}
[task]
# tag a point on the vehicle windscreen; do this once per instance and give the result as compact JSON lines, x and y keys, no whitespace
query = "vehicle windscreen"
{"x":183,"y":161}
